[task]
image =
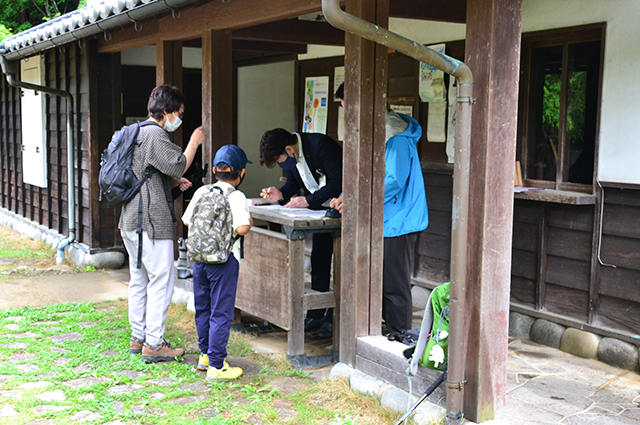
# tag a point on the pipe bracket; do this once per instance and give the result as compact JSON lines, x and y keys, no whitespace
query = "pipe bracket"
{"x":466,"y":99}
{"x":456,"y":386}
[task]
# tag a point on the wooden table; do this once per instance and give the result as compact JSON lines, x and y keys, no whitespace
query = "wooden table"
{"x":271,"y":281}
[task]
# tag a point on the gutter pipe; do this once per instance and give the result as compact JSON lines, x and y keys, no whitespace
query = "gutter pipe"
{"x":464,"y":99}
{"x":10,"y":69}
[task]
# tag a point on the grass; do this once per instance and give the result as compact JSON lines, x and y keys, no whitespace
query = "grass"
{"x":22,"y":252}
{"x":103,"y":352}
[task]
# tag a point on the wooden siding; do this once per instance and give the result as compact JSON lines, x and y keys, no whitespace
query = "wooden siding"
{"x":66,"y":69}
{"x":619,"y":301}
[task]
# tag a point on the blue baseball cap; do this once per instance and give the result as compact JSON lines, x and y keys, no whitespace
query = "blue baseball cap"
{"x":232,"y":155}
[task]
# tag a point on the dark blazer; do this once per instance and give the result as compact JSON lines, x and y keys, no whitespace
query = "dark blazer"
{"x":323,"y":156}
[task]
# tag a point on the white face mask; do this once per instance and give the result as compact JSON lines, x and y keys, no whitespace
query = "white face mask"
{"x":172,"y":126}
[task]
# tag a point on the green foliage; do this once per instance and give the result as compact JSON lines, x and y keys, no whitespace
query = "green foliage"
{"x":19,"y":15}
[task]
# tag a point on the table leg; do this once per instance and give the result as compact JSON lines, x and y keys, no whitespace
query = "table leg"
{"x":337,"y":267}
{"x":295,"y":337}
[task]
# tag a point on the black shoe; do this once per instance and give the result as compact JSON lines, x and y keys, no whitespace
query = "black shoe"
{"x":325,"y":332}
{"x":311,"y":325}
{"x":402,"y":337}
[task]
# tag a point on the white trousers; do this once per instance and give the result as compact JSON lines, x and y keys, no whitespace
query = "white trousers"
{"x":151,"y":286}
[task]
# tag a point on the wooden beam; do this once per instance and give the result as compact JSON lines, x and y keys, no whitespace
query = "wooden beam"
{"x":492,"y":26}
{"x":363,"y":174}
{"x":217,"y":93}
{"x":214,"y":15}
{"x":293,"y":31}
{"x":430,"y":10}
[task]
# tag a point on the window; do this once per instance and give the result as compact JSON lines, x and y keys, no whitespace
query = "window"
{"x":559,"y":105}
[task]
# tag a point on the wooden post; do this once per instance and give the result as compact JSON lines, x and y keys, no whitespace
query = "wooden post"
{"x":363,"y":181}
{"x":492,"y":26}
{"x":217,"y":93}
{"x":169,"y":71}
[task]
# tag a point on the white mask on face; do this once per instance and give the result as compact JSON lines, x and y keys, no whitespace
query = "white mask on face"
{"x":172,"y":126}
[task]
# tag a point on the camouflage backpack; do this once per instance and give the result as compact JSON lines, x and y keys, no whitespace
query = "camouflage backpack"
{"x":211,"y":228}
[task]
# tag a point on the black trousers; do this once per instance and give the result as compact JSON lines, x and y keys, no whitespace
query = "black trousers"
{"x":397,"y":309}
{"x":321,"y":271}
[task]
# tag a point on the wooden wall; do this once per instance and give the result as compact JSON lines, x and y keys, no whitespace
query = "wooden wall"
{"x":66,"y":69}
{"x":619,"y":294}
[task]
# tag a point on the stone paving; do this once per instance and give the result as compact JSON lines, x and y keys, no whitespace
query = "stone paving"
{"x":548,"y":386}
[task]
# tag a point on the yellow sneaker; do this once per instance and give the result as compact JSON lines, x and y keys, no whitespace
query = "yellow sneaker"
{"x":203,"y":362}
{"x":226,"y":373}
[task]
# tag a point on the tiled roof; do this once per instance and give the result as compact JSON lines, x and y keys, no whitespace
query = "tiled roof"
{"x":82,"y":23}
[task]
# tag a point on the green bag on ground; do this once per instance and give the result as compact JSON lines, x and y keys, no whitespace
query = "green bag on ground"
{"x":432,"y":348}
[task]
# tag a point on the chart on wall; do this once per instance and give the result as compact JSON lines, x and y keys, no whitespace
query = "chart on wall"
{"x":315,"y":104}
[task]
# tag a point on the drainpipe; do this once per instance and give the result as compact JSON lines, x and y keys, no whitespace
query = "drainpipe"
{"x":464,"y":99}
{"x":10,"y":69}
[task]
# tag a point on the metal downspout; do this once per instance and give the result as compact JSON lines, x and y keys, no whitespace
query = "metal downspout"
{"x":10,"y":69}
{"x":464,"y":99}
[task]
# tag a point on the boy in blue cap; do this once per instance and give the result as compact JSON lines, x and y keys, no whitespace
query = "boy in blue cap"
{"x":215,"y":284}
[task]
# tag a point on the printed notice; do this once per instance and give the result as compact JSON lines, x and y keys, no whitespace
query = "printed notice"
{"x":315,"y":105}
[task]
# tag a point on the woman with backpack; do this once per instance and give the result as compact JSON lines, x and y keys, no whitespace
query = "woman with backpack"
{"x":146,"y":223}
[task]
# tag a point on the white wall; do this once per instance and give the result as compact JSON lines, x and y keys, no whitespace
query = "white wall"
{"x":146,"y":56}
{"x":265,"y":102}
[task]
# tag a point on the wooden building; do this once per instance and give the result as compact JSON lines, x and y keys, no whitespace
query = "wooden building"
{"x":569,"y":253}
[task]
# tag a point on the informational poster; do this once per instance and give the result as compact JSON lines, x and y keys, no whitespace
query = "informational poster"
{"x":436,"y":122}
{"x":338,"y":78}
{"x":402,"y":109}
{"x":451,"y":126}
{"x":315,"y":105}
{"x":431,"y":84}
{"x":341,"y":123}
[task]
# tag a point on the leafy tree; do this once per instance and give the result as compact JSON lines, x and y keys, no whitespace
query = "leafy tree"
{"x":19,"y":15}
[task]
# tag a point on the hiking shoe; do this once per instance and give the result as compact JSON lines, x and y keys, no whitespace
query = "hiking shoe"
{"x":135,"y":345}
{"x":226,"y":373}
{"x":160,"y":353}
{"x":325,"y":332}
{"x":203,"y":362}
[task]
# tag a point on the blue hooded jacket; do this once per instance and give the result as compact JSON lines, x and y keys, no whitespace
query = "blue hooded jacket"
{"x":405,"y":201}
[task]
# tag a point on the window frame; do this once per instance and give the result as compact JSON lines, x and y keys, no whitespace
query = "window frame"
{"x":550,"y":38}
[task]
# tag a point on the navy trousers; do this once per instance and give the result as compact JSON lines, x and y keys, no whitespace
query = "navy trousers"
{"x":321,"y":253}
{"x":214,"y":290}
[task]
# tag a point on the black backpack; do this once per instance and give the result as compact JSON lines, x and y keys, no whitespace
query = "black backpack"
{"x":116,"y":179}
{"x":117,"y":182}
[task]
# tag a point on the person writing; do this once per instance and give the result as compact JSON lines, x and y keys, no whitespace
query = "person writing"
{"x":312,"y":162}
{"x":151,"y":285}
{"x":405,"y":215}
{"x":215,"y":270}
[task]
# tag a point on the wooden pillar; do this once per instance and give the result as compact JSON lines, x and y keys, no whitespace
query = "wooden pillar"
{"x":169,"y":71}
{"x":217,"y":93}
{"x":363,"y":181}
{"x":493,"y":54}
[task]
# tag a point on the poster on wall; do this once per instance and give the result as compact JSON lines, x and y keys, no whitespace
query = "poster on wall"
{"x":315,"y":104}
{"x":436,"y":122}
{"x":338,"y":78}
{"x":402,"y":109}
{"x":431,"y":83}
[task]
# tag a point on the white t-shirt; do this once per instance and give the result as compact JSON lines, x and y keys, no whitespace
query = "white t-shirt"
{"x":239,"y":210}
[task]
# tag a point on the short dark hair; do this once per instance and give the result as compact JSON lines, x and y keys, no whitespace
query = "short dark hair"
{"x":340,"y":92}
{"x":225,"y":175}
{"x":164,"y":98}
{"x":273,"y":144}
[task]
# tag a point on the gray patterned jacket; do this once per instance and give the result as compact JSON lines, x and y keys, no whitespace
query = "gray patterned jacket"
{"x":156,"y":150}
